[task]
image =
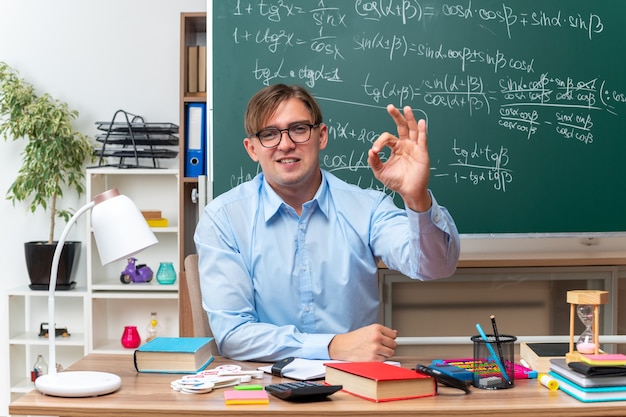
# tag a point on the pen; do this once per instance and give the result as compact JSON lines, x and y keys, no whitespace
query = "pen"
{"x":498,"y":344}
{"x":493,"y":353}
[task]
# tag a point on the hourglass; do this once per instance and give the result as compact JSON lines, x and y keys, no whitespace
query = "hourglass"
{"x":585,"y":304}
{"x":586,"y":342}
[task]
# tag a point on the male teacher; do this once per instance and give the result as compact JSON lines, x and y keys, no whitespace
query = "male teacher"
{"x":288,"y":260}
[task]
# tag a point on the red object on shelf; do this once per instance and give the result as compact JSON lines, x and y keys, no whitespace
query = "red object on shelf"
{"x":130,"y":337}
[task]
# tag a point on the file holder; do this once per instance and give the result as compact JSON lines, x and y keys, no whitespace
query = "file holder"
{"x":132,"y":138}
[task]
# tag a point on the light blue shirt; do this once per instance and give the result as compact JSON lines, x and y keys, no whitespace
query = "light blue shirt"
{"x":276,"y":284}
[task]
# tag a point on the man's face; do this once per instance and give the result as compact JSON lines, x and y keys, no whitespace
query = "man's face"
{"x":290,"y":167}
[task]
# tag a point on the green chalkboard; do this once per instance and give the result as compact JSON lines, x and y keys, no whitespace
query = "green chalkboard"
{"x":525,"y":100}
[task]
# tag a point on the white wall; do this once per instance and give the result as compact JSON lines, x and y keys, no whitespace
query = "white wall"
{"x":98,"y":56}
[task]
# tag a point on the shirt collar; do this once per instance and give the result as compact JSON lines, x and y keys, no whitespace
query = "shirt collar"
{"x":272,"y":201}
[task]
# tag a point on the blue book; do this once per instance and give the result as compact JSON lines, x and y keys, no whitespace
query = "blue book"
{"x":590,"y":395}
{"x":180,"y":355}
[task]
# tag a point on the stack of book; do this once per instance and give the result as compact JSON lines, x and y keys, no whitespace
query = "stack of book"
{"x":589,"y":383}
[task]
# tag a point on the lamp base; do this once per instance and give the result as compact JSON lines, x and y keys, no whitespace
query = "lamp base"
{"x":78,"y":384}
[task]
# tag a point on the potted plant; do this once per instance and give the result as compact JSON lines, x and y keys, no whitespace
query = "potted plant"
{"x":52,"y":162}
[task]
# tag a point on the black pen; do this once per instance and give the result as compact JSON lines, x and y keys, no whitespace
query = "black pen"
{"x":499,"y":345}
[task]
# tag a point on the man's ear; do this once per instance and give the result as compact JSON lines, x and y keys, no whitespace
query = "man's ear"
{"x":249,"y":145}
{"x":323,"y":136}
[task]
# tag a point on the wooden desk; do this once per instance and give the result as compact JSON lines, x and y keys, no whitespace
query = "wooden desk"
{"x":151,"y":395}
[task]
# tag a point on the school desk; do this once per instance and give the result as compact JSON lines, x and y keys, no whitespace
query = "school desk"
{"x":150,"y":395}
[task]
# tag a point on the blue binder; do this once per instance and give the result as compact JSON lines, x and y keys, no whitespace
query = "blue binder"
{"x":195,"y":140}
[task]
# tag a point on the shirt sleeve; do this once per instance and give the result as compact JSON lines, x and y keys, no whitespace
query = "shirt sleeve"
{"x":431,"y":249}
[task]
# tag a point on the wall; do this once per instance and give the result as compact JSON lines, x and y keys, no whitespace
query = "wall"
{"x":98,"y":57}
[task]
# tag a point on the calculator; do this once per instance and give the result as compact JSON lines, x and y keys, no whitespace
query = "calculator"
{"x":302,"y":391}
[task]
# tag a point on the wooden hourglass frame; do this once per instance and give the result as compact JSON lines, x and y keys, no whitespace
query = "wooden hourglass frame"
{"x":585,"y":297}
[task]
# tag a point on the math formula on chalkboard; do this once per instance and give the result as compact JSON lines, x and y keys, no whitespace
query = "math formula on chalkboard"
{"x":525,"y":104}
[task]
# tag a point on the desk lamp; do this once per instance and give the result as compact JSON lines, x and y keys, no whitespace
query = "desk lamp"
{"x":119,"y":230}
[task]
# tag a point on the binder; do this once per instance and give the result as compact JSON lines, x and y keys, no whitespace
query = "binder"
{"x":195,"y":141}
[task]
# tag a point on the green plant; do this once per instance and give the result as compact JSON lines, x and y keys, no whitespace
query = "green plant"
{"x":54,"y":156}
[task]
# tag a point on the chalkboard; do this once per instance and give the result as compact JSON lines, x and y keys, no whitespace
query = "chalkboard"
{"x":525,"y":100}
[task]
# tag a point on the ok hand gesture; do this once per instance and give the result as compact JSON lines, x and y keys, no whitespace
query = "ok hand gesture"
{"x":407,"y":170}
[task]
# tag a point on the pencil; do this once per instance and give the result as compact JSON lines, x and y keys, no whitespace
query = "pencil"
{"x":498,"y":344}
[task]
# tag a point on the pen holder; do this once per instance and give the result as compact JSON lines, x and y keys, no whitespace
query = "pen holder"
{"x":494,"y":362}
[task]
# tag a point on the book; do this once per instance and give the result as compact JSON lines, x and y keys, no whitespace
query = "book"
{"x":538,"y":355}
{"x":174,"y":355}
{"x":246,"y":397}
{"x":378,"y":381}
{"x":588,"y":395}
{"x":158,"y":222}
{"x":202,"y":69}
{"x":192,"y":69}
{"x":560,"y":367}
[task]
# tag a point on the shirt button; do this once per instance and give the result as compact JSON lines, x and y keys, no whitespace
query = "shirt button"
{"x":307,"y":309}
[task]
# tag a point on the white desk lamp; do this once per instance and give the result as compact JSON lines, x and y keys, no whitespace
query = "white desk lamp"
{"x":120,"y":231}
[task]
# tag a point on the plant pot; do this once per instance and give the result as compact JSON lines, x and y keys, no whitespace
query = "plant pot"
{"x":39,"y":261}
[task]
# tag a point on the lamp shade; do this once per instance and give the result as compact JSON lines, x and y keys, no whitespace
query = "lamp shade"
{"x":119,"y":228}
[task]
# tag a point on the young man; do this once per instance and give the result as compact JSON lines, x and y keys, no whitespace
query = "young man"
{"x":288,"y":260}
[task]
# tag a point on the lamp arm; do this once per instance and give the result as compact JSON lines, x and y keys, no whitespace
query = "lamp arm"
{"x":54,"y":270}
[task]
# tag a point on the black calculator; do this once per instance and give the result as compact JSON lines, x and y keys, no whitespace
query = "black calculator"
{"x":302,"y":391}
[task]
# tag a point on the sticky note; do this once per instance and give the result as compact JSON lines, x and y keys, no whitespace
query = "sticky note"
{"x":246,"y":397}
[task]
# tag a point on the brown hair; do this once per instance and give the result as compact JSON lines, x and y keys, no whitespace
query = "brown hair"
{"x":265,"y":102}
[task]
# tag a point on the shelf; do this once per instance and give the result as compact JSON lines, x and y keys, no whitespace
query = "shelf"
{"x":113,"y":304}
{"x":138,"y":290}
{"x":23,"y":386}
{"x":24,"y":291}
{"x":193,"y":31}
{"x":113,"y":347}
{"x":33,"y":338}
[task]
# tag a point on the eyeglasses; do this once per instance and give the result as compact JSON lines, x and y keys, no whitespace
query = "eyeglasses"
{"x":298,"y":133}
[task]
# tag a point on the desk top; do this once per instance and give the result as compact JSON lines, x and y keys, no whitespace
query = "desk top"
{"x":151,"y":395}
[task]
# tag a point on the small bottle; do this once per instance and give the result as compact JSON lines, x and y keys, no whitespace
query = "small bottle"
{"x":154,"y":328}
{"x":40,"y":368}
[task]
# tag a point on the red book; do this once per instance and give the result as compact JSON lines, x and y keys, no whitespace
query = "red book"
{"x":378,"y":381}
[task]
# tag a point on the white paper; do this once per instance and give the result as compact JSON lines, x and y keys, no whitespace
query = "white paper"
{"x":302,"y":369}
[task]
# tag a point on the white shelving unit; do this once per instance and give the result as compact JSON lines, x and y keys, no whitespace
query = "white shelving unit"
{"x":114,"y":304}
{"x":27,"y":310}
{"x":96,"y":311}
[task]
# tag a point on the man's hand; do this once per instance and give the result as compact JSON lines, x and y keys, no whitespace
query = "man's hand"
{"x":371,"y":343}
{"x":407,"y":170}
